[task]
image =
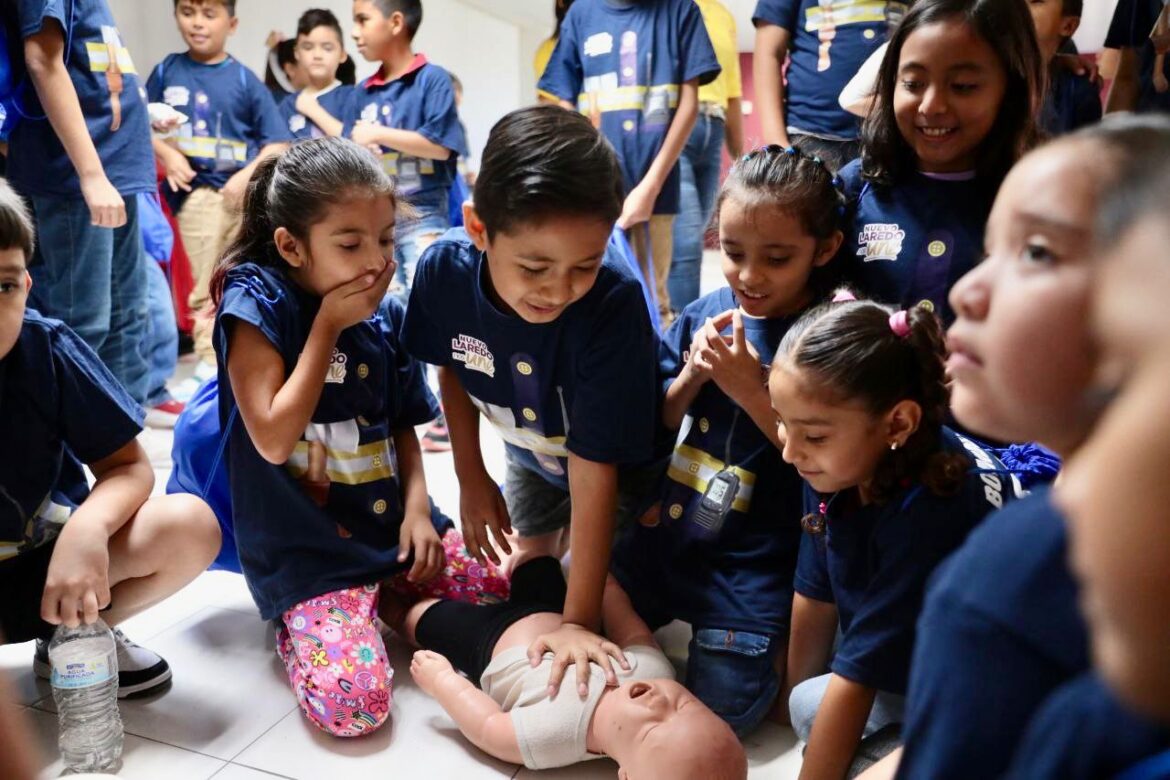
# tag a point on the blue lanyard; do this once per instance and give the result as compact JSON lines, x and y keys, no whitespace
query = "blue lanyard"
{"x":1157,"y":766}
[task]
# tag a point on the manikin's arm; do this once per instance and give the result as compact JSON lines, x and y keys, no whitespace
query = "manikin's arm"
{"x":475,"y":713}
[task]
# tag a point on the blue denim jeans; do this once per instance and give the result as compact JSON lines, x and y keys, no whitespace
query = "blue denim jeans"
{"x":162,"y":333}
{"x":733,"y":673}
{"x":412,"y":236}
{"x":699,"y":167}
{"x":888,"y":708}
{"x":94,"y":280}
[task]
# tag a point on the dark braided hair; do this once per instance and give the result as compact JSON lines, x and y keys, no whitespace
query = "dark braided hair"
{"x":791,"y":180}
{"x":849,"y":350}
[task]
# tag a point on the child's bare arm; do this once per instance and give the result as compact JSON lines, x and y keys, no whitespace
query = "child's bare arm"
{"x":79,"y":571}
{"x":621,"y":623}
{"x":418,"y":534}
{"x":770,"y":51}
{"x":44,"y":55}
{"x":593,"y":493}
{"x":405,"y":141}
{"x":235,"y":187}
{"x":275,"y":410}
{"x":810,"y":643}
{"x":308,"y":105}
{"x":475,"y":713}
{"x":178,"y":169}
{"x":837,"y":729}
{"x":639,"y":204}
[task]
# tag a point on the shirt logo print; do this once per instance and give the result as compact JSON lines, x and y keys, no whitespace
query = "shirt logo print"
{"x":880,"y":241}
{"x":474,"y":354}
{"x":336,"y":373}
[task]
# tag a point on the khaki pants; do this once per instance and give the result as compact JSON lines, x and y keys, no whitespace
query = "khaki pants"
{"x":207,"y":226}
{"x":659,"y":251}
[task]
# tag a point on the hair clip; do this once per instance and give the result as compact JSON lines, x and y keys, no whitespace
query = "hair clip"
{"x":900,"y":324}
{"x":925,"y":305}
{"x":844,"y":296}
{"x":790,"y":151}
{"x":818,"y":161}
{"x":838,"y":182}
{"x":746,"y":157}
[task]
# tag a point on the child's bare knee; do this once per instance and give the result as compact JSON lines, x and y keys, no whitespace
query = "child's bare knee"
{"x":187,"y":521}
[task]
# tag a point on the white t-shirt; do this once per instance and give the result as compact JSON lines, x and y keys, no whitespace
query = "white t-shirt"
{"x":551,"y":732}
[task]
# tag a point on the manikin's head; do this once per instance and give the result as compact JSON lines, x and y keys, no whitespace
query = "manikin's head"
{"x":657,"y":728}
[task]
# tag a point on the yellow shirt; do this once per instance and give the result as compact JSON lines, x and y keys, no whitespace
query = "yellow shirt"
{"x":540,"y":62}
{"x":721,"y":29}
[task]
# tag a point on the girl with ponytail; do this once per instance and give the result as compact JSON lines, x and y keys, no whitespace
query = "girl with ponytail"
{"x":860,"y":394}
{"x":328,"y":496}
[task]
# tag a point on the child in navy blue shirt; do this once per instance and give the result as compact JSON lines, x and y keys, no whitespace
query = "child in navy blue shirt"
{"x":80,"y":154}
{"x":320,"y":51}
{"x":532,"y":326}
{"x":1141,"y":30}
{"x":634,"y":67}
{"x":232,"y":125}
{"x":860,"y":393}
{"x":408,"y":109}
{"x":1001,"y":630}
{"x":957,"y":95}
{"x":1071,"y":100}
{"x":825,"y":44}
{"x":328,"y":494}
{"x":726,"y":566}
{"x":68,"y":551}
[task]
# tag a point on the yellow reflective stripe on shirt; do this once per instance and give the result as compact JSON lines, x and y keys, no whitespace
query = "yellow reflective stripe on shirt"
{"x":99,"y":58}
{"x":695,"y":469}
{"x":503,"y":420}
{"x":390,"y":164}
{"x":855,"y":12}
{"x":625,"y":98}
{"x":370,"y":463}
{"x":205,"y":147}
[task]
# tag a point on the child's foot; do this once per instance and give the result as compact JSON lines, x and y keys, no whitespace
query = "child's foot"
{"x":436,"y":438}
{"x":140,"y":671}
{"x":165,"y":414}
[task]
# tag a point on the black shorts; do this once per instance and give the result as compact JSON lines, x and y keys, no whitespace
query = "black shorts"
{"x":22,"y":581}
{"x":467,"y":633}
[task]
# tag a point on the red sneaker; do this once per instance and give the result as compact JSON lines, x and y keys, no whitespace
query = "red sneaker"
{"x":164,"y":415}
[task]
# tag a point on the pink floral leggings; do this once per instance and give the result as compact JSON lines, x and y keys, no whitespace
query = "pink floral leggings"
{"x":335,"y":657}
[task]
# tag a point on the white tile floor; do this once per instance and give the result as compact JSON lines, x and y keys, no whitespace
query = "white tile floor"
{"x":229,"y":713}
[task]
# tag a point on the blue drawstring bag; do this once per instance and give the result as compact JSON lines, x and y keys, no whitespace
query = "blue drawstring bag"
{"x":1032,"y":464}
{"x":619,"y":244}
{"x":200,"y":468}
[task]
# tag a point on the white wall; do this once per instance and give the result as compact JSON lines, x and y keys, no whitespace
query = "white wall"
{"x":490,"y":55}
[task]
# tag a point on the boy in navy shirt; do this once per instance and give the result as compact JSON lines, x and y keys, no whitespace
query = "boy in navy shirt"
{"x":534,"y":329}
{"x":634,"y":67}
{"x":827,"y":44}
{"x":66,"y":550}
{"x":1071,"y":100}
{"x":408,"y":109}
{"x":81,"y":171}
{"x":232,"y":124}
{"x":320,"y":52}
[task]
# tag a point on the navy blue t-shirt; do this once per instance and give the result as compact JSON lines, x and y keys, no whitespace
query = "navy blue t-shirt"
{"x":59,"y":407}
{"x":873,"y":562}
{"x":624,"y":64}
{"x":420,"y":100}
{"x":1083,"y":733}
{"x":231,"y":115}
{"x":329,"y":517}
{"x":37,"y":163}
{"x":913,"y":241}
{"x":583,"y":383}
{"x":336,"y":101}
{"x":1071,"y":101}
{"x":828,"y":44}
{"x":1133,"y":20}
{"x":1000,"y":631}
{"x":741,"y":577}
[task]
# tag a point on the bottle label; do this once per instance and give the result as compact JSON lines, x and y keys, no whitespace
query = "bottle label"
{"x":82,"y":674}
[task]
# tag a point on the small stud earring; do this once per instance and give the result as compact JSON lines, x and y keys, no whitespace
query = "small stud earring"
{"x":893,"y":446}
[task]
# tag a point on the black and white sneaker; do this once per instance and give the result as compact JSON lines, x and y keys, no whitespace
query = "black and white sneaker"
{"x":140,"y":671}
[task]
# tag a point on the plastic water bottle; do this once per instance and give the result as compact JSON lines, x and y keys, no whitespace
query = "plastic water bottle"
{"x":85,"y":687}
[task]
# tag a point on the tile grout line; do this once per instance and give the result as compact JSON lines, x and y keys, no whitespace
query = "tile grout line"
{"x":261,"y":736}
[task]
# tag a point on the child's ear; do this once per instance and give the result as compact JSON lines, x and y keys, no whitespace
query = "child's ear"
{"x":902,"y":421}
{"x":233,"y":24}
{"x":1069,"y":25}
{"x":474,"y":226}
{"x":827,"y":248}
{"x":397,"y":22}
{"x":27,"y":281}
{"x":289,"y":247}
